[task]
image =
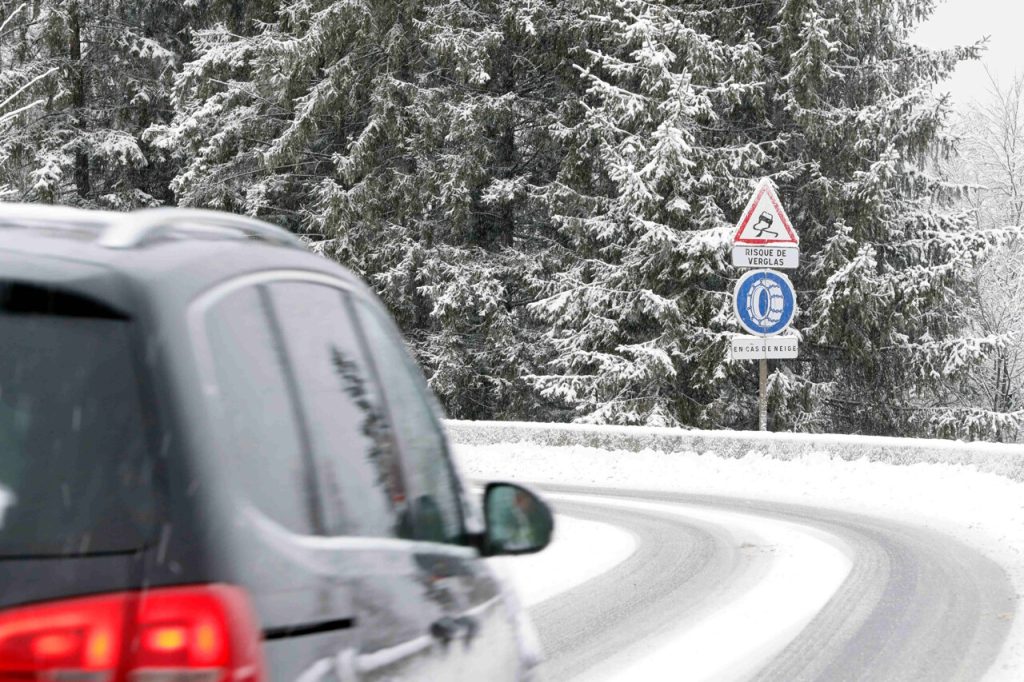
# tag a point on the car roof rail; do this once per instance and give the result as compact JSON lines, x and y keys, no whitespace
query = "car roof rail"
{"x":54,"y":217}
{"x":139,"y":227}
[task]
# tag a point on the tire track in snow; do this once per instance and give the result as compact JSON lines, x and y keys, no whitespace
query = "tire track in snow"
{"x":665,"y":577}
{"x":916,"y":605}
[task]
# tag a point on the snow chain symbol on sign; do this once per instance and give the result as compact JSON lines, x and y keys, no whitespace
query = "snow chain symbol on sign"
{"x":765,"y":302}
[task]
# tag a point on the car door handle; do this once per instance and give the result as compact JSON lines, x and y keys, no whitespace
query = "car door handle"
{"x":447,"y":628}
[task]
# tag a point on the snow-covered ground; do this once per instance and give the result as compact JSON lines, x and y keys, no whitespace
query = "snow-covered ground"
{"x":983,"y":510}
{"x":756,"y":617}
{"x":582,"y":550}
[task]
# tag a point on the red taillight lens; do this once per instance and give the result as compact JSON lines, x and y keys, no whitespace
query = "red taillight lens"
{"x":209,"y":628}
{"x":206,"y":632}
{"x":82,"y":636}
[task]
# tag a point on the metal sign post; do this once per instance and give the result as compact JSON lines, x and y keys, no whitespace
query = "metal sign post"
{"x":765,"y":304}
{"x":762,"y":396}
{"x":764,"y":300}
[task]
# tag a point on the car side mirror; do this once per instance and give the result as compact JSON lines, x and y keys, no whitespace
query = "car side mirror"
{"x":517,"y":520}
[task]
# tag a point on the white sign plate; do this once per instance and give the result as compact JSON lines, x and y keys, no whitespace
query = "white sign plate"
{"x":764,"y":222}
{"x":763,"y":348}
{"x":782,"y":257}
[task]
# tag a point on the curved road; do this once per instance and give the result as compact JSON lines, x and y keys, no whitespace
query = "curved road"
{"x":914,"y":605}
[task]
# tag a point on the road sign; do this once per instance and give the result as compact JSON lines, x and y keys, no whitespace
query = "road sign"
{"x":764,"y":347}
{"x":764,"y":302}
{"x":764,"y":221}
{"x":785,"y":257}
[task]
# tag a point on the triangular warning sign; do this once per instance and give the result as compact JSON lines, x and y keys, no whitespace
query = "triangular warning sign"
{"x":764,"y":221}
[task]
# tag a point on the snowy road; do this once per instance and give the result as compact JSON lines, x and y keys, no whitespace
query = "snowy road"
{"x":726,"y":589}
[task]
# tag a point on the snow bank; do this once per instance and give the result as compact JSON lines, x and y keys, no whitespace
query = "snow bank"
{"x":995,"y":458}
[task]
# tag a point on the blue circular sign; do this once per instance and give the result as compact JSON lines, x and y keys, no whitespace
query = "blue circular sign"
{"x":765,"y":302}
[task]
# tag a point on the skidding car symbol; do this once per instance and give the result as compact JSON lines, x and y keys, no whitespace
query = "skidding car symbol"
{"x":764,"y":225}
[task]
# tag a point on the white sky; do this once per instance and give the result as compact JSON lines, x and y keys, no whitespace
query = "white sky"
{"x":963,"y":22}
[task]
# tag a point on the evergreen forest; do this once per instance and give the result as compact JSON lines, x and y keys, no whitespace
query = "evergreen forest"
{"x":544,"y":192}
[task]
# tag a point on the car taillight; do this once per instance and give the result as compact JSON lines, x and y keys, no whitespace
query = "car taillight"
{"x":81,"y":637}
{"x":205,"y":633}
{"x":199,"y":634}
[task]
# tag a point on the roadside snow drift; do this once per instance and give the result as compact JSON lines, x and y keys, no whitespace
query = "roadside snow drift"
{"x":997,"y":458}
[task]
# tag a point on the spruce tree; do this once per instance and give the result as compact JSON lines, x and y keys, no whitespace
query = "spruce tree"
{"x":406,"y":140}
{"x":637,"y":312}
{"x":988,"y":398}
{"x":889,"y":259}
{"x":543,"y":193}
{"x":687,"y":105}
{"x":87,"y":78}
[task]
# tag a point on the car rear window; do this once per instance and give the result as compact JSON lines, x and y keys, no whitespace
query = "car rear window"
{"x":74,"y":478}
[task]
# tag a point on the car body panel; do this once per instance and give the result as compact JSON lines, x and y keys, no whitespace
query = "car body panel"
{"x":331,"y":608}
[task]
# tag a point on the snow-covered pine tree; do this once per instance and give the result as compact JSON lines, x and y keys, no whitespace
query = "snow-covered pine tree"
{"x":21,"y":88}
{"x":546,"y":189}
{"x":688,"y":103}
{"x":456,"y":223}
{"x":639,"y":311}
{"x":888,"y":261}
{"x":990,"y":158}
{"x":100,"y":72}
{"x":987,"y":400}
{"x":405,"y":140}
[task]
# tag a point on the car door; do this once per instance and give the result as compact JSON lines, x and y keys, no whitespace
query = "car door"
{"x":474,"y":623}
{"x":369,"y":532}
{"x":261,"y":507}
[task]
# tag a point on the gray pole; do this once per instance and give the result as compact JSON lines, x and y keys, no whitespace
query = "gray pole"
{"x":762,"y":397}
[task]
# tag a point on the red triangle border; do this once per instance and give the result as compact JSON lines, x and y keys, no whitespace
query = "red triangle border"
{"x":765,"y":187}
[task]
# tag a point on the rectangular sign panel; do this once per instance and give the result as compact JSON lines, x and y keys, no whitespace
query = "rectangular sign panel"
{"x":764,"y":348}
{"x":782,"y":257}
